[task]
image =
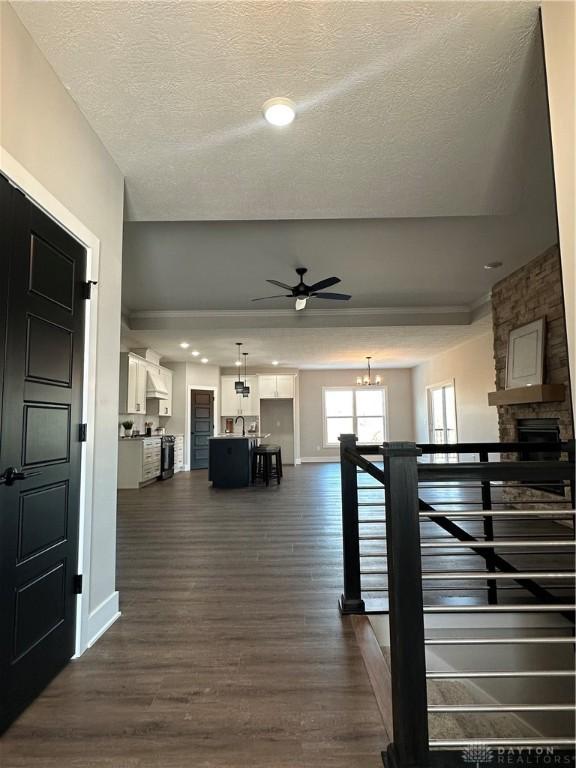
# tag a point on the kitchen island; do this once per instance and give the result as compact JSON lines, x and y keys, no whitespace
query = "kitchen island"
{"x":230,"y":459}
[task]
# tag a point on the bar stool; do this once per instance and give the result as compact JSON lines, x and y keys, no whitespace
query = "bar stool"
{"x":263,"y":468}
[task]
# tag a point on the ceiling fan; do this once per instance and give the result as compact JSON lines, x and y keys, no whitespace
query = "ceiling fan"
{"x":302,"y":292}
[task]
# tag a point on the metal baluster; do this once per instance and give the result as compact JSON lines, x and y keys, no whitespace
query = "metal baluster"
{"x":351,"y":600}
{"x":407,"y":653}
{"x":489,"y":532}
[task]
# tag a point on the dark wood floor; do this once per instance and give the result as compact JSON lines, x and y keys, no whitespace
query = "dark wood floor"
{"x":230,"y":651}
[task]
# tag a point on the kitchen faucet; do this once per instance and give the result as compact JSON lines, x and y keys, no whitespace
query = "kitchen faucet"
{"x":243,"y":424}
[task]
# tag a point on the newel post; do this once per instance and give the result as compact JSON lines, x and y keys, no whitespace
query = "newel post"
{"x":410,"y":747}
{"x":351,"y":600}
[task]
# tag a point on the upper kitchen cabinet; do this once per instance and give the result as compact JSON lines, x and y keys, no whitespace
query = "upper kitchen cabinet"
{"x":133,"y":373}
{"x":271,"y":387}
{"x":233,"y":404}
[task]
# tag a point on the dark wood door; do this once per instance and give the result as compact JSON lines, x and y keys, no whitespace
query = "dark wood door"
{"x":42,"y":338}
{"x":202,"y":427}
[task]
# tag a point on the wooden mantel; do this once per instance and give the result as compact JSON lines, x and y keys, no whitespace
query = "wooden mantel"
{"x":537,"y":393}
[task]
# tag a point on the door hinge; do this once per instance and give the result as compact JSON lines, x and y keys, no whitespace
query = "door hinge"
{"x":77,"y":584}
{"x":82,"y":432}
{"x":86,"y":289}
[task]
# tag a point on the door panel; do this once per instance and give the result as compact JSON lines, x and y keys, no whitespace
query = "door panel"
{"x":43,"y":519}
{"x":43,"y":334}
{"x":202,"y":425}
{"x":49,"y":352}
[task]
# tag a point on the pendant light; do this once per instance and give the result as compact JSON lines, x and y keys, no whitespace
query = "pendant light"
{"x":246,"y":388}
{"x":366,"y":380}
{"x":239,"y":385}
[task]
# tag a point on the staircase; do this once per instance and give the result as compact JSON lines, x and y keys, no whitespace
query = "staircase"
{"x":475,"y":591}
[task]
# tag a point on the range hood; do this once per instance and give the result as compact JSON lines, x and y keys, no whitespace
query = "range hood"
{"x":155,"y":386}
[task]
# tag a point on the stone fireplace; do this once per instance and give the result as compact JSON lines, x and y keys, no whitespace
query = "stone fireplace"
{"x":532,"y":292}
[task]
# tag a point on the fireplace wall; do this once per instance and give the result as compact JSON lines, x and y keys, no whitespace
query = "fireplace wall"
{"x":533,"y":291}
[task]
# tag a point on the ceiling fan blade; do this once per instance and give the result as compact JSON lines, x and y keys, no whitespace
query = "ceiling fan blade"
{"x":278,"y":296}
{"x":324,"y":284}
{"x":301,"y":303}
{"x":280,"y":285}
{"x":338,"y":296}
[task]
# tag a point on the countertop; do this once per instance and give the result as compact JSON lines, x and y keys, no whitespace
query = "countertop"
{"x":229,"y":435}
{"x":147,"y":437}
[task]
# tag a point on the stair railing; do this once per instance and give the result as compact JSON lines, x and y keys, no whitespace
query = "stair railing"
{"x":400,"y":475}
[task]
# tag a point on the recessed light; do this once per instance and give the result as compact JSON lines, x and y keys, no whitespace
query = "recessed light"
{"x":274,"y":362}
{"x":204,"y":360}
{"x":493,"y":265}
{"x":238,"y":363}
{"x":195,"y":353}
{"x":279,"y":111}
{"x":184,"y":344}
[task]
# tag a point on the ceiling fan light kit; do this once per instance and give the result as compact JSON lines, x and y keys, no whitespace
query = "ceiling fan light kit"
{"x":302,"y":292}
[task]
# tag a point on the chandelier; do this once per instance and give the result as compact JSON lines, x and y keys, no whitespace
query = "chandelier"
{"x":366,"y":380}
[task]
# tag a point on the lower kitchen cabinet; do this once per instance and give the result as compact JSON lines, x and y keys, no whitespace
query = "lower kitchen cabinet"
{"x":178,"y":453}
{"x":138,"y":461}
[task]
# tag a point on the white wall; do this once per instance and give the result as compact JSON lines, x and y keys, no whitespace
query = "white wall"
{"x":471,"y":365}
{"x":559,"y":28}
{"x":45,"y":132}
{"x":400,"y":415}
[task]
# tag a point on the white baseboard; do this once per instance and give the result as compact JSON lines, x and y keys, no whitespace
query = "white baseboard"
{"x":102,"y":618}
{"x":319,"y":459}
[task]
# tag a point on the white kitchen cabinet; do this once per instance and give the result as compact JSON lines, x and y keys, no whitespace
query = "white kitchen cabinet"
{"x":267,"y":387}
{"x":132,"y":384}
{"x":234,"y":404}
{"x":271,"y":387}
{"x":138,"y":461}
{"x":178,"y":453}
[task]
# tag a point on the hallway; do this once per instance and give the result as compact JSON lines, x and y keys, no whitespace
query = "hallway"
{"x":230,"y":652}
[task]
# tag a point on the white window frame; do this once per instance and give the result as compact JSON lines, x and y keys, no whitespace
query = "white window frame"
{"x":381,"y":388}
{"x":447,"y":457}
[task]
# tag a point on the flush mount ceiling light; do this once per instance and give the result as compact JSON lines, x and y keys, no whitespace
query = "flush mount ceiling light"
{"x":204,"y":360}
{"x":184,"y":344}
{"x":279,"y":111}
{"x":274,"y":362}
{"x":195,"y":353}
{"x":493,"y":265}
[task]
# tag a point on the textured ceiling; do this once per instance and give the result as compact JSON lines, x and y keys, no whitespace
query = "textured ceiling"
{"x":405,"y":109}
{"x":391,"y":347}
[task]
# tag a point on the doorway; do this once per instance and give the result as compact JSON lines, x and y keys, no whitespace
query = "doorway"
{"x":442,"y":417}
{"x":201,"y":426}
{"x":42,"y":331}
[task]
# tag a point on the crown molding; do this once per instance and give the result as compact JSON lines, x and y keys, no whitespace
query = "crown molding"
{"x":261,"y":313}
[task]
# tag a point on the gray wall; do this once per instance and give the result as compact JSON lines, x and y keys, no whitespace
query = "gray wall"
{"x":400,"y":416}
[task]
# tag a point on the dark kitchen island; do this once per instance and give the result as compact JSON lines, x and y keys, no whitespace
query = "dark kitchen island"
{"x":230,"y":460}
